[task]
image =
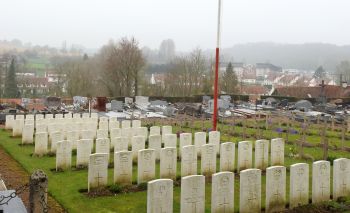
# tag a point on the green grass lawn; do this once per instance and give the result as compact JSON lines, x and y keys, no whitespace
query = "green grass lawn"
{"x":65,"y":186}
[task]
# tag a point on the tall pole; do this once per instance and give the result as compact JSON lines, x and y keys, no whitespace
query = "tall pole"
{"x":215,"y":112}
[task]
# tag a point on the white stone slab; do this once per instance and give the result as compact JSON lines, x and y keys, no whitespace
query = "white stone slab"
{"x":84,"y":147}
{"x":244,"y":155}
{"x":120,"y":144}
{"x":146,"y":166}
{"x":123,"y":167}
{"x":55,"y":138}
{"x":208,"y":159}
{"x":126,"y":124}
{"x":320,"y":181}
{"x":160,"y":196}
{"x":222,"y":193}
{"x":185,"y":140}
{"x":116,"y":133}
{"x":299,"y":185}
{"x":154,"y":130}
{"x":275,"y":189}
{"x":137,"y":144}
{"x":41,"y":143}
{"x":136,"y":123}
{"x":73,"y":136}
{"x":227,"y":156}
{"x":168,"y":161}
{"x":341,"y":178}
{"x":113,"y":125}
{"x":277,"y":152}
{"x":102,"y":133}
{"x":27,"y":134}
{"x":214,"y":138}
{"x":63,"y":155}
{"x":192,"y":194}
{"x":155,"y":142}
{"x":200,"y":139}
{"x":250,"y":191}
{"x":188,"y":161}
{"x":9,"y":121}
{"x":98,"y":171}
{"x":261,"y":154}
{"x":170,"y":140}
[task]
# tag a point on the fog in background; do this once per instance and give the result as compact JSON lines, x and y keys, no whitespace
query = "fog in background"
{"x":190,"y":23}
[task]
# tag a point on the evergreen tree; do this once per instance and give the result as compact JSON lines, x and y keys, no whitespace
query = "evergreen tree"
{"x":229,"y":80}
{"x":320,"y":73}
{"x":11,"y":90}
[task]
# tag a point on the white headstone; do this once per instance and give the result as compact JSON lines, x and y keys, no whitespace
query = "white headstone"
{"x":160,"y":196}
{"x":116,"y":133}
{"x":185,"y":140}
{"x":120,"y":144}
{"x":141,"y":131}
{"x":137,"y":144}
{"x":9,"y":121}
{"x":73,"y":136}
{"x":250,"y":191}
{"x":127,"y":133}
{"x":86,"y":115}
{"x":41,"y":128}
{"x":63,"y":155}
{"x":277,"y":152}
{"x":126,"y":124}
{"x":103,"y":145}
{"x":39,"y":116}
{"x":227,"y":157}
{"x":154,"y":130}
{"x":102,"y":133}
{"x":146,"y":166}
{"x":58,"y":116}
{"x":170,"y":140}
{"x":341,"y":178}
{"x":244,"y":155}
{"x":214,"y":138}
{"x":299,"y":185}
{"x":168,"y":160}
{"x":87,"y":134}
{"x":188,"y":161}
{"x":113,"y":124}
{"x":222,"y":193}
{"x":76,"y":115}
{"x":94,"y":115}
{"x":208,"y":159}
{"x":193,"y":194}
{"x":136,"y":123}
{"x":167,"y":130}
{"x":17,"y":127}
{"x":103,"y":125}
{"x":261,"y":154}
{"x":123,"y":167}
{"x":27,"y":135}
{"x":84,"y":147}
{"x":41,"y":143}
{"x":200,"y":139}
{"x":275,"y":189}
{"x":320,"y":181}
{"x":103,"y":119}
{"x":55,"y":138}
{"x":155,"y":142}
{"x":98,"y":171}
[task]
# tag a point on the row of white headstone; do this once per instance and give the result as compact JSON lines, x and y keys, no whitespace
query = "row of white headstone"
{"x":160,"y":192}
{"x":146,"y":162}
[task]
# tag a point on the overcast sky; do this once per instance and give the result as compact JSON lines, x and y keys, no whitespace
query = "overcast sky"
{"x":190,"y":23}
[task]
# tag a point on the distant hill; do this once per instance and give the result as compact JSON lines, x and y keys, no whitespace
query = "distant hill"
{"x":299,"y":56}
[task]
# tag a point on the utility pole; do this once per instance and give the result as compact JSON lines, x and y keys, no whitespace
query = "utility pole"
{"x":216,"y":81}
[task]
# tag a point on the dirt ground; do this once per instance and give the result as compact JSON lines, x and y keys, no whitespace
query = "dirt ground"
{"x":15,"y":177}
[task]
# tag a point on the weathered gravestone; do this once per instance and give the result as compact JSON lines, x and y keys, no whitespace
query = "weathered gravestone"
{"x":168,"y":161}
{"x":136,"y":123}
{"x":320,"y":181}
{"x":167,"y":130}
{"x":277,"y":152}
{"x":299,"y":185}
{"x":244,"y":155}
{"x":200,"y":139}
{"x":9,"y":121}
{"x":154,"y":130}
{"x":170,"y":140}
{"x":146,"y":166}
{"x":261,"y":154}
{"x":341,"y":178}
{"x":116,"y":133}
{"x":123,"y":167}
{"x":120,"y":144}
{"x":275,"y":189}
{"x":41,"y":128}
{"x":113,"y":125}
{"x":126,"y":124}
{"x":155,"y":142}
{"x":222,"y":193}
{"x":208,"y":159}
{"x":73,"y":136}
{"x":63,"y":155}
{"x":102,"y":133}
{"x":250,"y":191}
{"x":84,"y":148}
{"x":17,"y":128}
{"x":98,"y":171}
{"x":227,"y":157}
{"x":55,"y":138}
{"x":41,"y":143}
{"x":141,"y":131}
{"x":185,"y":140}
{"x":27,"y":135}
{"x":188,"y":161}
{"x":87,"y":134}
{"x":192,"y":194}
{"x":103,"y":146}
{"x":214,"y":138}
{"x":160,"y":196}
{"x":137,"y":144}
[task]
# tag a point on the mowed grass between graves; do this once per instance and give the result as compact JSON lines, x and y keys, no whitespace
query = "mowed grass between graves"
{"x":65,"y":186}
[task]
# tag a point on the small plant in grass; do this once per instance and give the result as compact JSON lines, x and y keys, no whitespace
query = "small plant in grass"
{"x":115,"y":188}
{"x":293,"y":152}
{"x":142,"y":186}
{"x":331,"y":159}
